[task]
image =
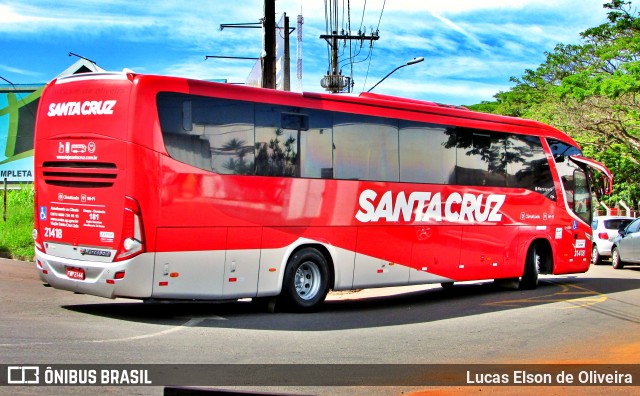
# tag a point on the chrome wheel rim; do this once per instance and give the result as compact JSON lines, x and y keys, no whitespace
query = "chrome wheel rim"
{"x":307,"y":280}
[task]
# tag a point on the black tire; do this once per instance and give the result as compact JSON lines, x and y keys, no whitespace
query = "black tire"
{"x":264,"y":304}
{"x":447,"y":285}
{"x":507,"y":283}
{"x":616,"y":261}
{"x":306,"y":281}
{"x":529,"y":279}
{"x":595,"y":256}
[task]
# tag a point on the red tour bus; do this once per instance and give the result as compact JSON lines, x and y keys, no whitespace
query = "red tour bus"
{"x":165,"y":188}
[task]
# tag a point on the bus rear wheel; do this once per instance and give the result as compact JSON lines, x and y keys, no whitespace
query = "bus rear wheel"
{"x":306,"y":281}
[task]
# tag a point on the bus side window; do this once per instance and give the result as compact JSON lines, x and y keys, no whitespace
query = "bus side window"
{"x":316,"y":146}
{"x":480,"y":158}
{"x":423,"y":155}
{"x":365,"y":147}
{"x":180,"y":141}
{"x":528,"y":167}
{"x":276,"y":144}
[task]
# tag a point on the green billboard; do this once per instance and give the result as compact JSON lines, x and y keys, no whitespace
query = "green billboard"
{"x":18,"y":107}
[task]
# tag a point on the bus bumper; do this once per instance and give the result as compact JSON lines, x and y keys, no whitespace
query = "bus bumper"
{"x":135,"y":277}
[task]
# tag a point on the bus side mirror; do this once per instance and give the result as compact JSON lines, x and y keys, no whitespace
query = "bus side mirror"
{"x":608,"y":185}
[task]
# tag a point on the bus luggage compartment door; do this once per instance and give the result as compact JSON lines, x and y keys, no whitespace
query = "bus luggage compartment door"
{"x":190,"y":262}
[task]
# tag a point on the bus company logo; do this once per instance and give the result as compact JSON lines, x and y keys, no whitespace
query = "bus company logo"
{"x":426,"y":206}
{"x":95,"y":252}
{"x":65,"y":197}
{"x":89,"y":107}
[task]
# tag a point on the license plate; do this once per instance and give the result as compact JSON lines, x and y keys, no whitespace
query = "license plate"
{"x":75,"y":273}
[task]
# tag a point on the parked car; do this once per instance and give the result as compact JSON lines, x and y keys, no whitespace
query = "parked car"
{"x":605,"y":230}
{"x":626,"y":246}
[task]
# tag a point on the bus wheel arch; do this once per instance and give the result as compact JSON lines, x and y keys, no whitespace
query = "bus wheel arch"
{"x":538,"y":260}
{"x":307,"y":278}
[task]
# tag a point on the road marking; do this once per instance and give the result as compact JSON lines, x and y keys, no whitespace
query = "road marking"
{"x":568,"y":293}
{"x":190,"y":323}
{"x":592,"y":297}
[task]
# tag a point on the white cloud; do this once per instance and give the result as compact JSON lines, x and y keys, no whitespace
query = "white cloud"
{"x":462,"y":40}
{"x":444,"y":91}
{"x":16,"y":70}
{"x":206,"y":70}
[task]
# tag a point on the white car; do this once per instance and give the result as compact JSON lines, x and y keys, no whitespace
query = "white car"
{"x":605,"y":230}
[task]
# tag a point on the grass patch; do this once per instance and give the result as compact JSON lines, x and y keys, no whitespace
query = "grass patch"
{"x":16,"y":241}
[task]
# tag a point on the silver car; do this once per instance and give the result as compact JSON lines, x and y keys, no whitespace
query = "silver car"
{"x":626,"y":246}
{"x":605,"y":230}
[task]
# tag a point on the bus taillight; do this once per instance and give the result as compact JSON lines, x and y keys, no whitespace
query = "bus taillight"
{"x":38,"y":214}
{"x":132,"y":237}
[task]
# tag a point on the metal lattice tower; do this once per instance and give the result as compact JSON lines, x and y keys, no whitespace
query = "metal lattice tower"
{"x":299,"y":52}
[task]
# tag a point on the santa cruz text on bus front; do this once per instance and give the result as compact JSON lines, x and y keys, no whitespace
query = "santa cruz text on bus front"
{"x":426,"y":206}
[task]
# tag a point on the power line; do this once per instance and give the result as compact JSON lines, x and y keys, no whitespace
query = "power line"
{"x":362,"y":19}
{"x":4,"y":79}
{"x":381,"y":12}
{"x":334,"y":81}
{"x":371,"y":49}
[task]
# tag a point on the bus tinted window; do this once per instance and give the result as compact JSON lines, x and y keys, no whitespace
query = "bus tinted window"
{"x":365,"y":148}
{"x":212,"y":134}
{"x":424,"y":157}
{"x":316,"y":146}
{"x":561,"y":149}
{"x":293,"y":142}
{"x":276,"y":147}
{"x":527,"y":165}
{"x":481,"y":157}
{"x":236,"y":137}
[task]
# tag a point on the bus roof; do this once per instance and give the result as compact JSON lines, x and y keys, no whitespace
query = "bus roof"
{"x":310,"y":99}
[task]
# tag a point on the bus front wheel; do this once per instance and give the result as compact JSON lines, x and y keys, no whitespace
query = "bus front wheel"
{"x":529,"y":279}
{"x":306,"y":281}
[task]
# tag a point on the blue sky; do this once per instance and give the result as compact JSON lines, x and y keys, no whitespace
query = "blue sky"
{"x":471,"y":47}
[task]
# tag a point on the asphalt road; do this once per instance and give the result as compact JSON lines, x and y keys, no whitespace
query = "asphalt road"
{"x":584,"y":318}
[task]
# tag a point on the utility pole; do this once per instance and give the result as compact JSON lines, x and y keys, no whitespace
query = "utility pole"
{"x":264,"y":72}
{"x":269,"y":32}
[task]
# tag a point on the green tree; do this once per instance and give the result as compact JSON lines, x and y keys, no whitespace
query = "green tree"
{"x":590,"y":90}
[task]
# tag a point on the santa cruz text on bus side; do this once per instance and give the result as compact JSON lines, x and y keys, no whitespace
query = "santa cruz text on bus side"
{"x":425,"y":206}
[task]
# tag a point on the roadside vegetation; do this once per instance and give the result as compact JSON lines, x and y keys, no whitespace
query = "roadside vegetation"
{"x":590,"y":91}
{"x":16,"y":224}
